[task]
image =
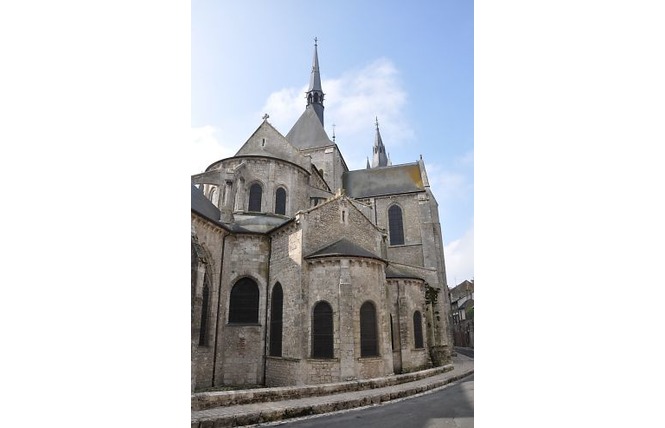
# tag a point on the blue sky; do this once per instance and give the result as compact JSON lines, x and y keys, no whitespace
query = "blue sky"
{"x":410,"y":64}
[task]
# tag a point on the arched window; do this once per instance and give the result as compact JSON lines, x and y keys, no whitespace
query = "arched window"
{"x":418,"y":330}
{"x":276,"y":321}
{"x":368,"y":334}
{"x":244,"y":302}
{"x":213,"y":196}
{"x":255,"y":192}
{"x":395,"y":225}
{"x":322,"y":331}
{"x":203,"y":331}
{"x":280,"y":201}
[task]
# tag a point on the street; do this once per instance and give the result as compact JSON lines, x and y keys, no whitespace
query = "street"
{"x":450,"y":407}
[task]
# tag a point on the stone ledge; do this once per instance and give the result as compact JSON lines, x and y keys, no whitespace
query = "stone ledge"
{"x":208,"y":400}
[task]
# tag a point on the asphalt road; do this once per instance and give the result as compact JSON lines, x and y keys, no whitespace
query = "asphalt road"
{"x":465,"y":351}
{"x":450,"y":407}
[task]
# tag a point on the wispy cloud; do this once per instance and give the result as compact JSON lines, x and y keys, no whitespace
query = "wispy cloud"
{"x":449,"y":185}
{"x":353,"y":100}
{"x":459,"y":259}
{"x":207,"y":148}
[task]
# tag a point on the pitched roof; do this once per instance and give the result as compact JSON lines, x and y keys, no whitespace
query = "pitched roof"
{"x":393,"y":272}
{"x":203,"y":206}
{"x":267,"y":141}
{"x":343,"y":247}
{"x":388,"y":180}
{"x":308,"y":132}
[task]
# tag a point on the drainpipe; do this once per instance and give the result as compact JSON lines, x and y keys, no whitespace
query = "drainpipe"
{"x":219,"y":304}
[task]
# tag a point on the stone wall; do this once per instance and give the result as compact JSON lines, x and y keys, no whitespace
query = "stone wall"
{"x":407,"y":296}
{"x":210,"y":237}
{"x":411,"y":252}
{"x":347,"y":283}
{"x":336,"y":219}
{"x":282,"y":371}
{"x":329,"y":159}
{"x":241,"y":347}
{"x":285,"y":268}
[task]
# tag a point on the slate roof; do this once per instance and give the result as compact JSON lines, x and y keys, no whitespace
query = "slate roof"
{"x":388,"y":180}
{"x":343,"y":247}
{"x":308,"y":132}
{"x":203,"y":206}
{"x":393,"y":272}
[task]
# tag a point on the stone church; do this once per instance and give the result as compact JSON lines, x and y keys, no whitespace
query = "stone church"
{"x":304,"y":272}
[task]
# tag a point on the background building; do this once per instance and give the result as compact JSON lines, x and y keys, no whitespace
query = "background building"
{"x":461,"y":313}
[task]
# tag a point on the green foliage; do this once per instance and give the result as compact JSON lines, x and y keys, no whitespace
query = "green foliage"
{"x":431,"y":294}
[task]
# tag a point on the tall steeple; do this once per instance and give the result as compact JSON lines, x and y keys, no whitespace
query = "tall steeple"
{"x":315,"y":93}
{"x":379,"y":158}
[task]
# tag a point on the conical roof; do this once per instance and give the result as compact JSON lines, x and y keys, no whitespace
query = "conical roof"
{"x":308,"y":132}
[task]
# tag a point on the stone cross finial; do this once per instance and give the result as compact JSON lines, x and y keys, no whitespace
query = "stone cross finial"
{"x":376,"y":122}
{"x":315,"y":41}
{"x":265,"y":116}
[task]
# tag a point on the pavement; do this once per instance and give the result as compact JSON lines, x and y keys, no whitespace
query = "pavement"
{"x":271,"y":411}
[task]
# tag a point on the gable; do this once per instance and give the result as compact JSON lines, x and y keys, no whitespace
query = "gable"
{"x":266,"y":141}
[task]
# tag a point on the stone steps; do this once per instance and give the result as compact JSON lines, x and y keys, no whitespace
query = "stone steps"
{"x":207,"y":400}
{"x":273,"y":404}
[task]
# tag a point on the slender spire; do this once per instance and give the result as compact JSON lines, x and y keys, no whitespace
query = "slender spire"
{"x":367,"y":167}
{"x":315,"y":93}
{"x":379,"y":157}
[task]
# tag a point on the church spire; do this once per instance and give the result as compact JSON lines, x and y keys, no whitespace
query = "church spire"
{"x":379,"y":158}
{"x":315,"y":93}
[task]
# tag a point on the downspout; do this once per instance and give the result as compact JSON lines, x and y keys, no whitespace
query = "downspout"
{"x":219,"y":304}
{"x":265,"y":326}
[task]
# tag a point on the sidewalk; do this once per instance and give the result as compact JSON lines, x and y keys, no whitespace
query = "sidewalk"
{"x":270,"y":411}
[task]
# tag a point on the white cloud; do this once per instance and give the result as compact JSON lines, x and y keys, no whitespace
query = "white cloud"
{"x":449,"y":185}
{"x":207,"y":148}
{"x":353,"y":100}
{"x":357,"y":97}
{"x":285,"y":107}
{"x":459,"y":259}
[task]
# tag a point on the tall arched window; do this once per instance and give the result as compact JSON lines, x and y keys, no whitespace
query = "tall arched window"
{"x":255,"y":192}
{"x":276,"y":321}
{"x":203,"y":331}
{"x":280,"y":201}
{"x":368,"y":333}
{"x":213,"y":196}
{"x":395,"y":225}
{"x":244,"y":302}
{"x":322,"y":331}
{"x":418,"y":330}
